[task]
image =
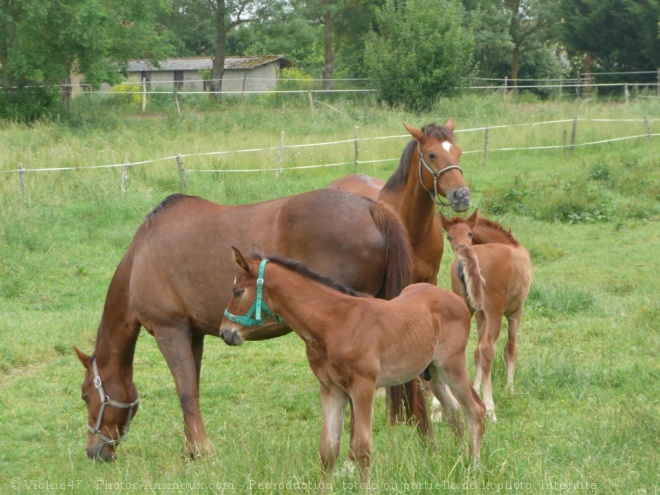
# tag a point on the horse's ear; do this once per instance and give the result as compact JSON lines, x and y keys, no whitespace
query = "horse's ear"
{"x":445,"y":221}
{"x":257,"y":251}
{"x":450,"y":125}
{"x":84,"y":358}
{"x":239,"y":260}
{"x":474,"y":218}
{"x":417,"y":134}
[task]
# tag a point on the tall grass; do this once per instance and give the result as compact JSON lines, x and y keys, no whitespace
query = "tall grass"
{"x":583,"y":418}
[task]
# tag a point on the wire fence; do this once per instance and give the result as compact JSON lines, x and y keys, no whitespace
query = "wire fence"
{"x":583,"y":84}
{"x":279,"y":167}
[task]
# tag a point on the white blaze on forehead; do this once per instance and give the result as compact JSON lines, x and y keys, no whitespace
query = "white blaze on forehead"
{"x":446,"y":145}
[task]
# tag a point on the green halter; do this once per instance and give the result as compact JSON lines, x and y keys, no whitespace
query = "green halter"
{"x":257,"y":306}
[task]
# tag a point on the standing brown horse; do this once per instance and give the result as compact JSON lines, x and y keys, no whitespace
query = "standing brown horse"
{"x":494,"y":278}
{"x":428,"y":169}
{"x":355,"y":344}
{"x":175,"y":281}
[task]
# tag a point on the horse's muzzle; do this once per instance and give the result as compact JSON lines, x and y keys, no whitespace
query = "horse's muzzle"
{"x":100,"y":452}
{"x":231,"y":336}
{"x":460,"y":199}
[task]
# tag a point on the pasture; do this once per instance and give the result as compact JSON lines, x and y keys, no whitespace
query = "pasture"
{"x":584,"y":414}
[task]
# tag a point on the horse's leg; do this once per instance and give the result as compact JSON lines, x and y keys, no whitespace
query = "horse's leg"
{"x":480,"y":318}
{"x":452,"y":368}
{"x":511,"y":349}
{"x":362,"y":400}
{"x":449,"y":404}
{"x":176,"y":344}
{"x":487,"y":353}
{"x":333,"y":402}
{"x":198,"y":351}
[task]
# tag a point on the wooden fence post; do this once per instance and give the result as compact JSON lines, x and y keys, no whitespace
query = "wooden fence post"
{"x":278,"y":167}
{"x":626,"y":93}
{"x":506,"y":81}
{"x":243,"y":88}
{"x":124,"y":175}
{"x":144,"y":94}
{"x":182,"y":178}
{"x":486,"y":145}
{"x":21,"y":185}
{"x":357,"y":148}
{"x":564,"y":140}
{"x":648,"y":130}
{"x":176,"y":100}
{"x":573,"y":133}
{"x":577,"y":85}
{"x":311,"y":100}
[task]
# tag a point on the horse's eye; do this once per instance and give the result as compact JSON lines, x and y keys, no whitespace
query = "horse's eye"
{"x":449,"y":238}
{"x":470,"y":234}
{"x":238,"y":292}
{"x":432,"y":156}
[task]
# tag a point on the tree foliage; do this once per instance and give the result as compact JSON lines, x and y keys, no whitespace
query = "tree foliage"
{"x":46,"y":40}
{"x":618,"y":34}
{"x":418,"y":51}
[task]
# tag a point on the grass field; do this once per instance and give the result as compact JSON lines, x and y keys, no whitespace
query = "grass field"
{"x":584,"y":415}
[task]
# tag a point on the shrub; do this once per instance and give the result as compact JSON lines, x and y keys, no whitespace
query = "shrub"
{"x":28,"y":104}
{"x":419,"y":52}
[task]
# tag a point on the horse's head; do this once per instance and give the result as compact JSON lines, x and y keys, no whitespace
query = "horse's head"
{"x":438,"y":168}
{"x":459,"y":230}
{"x":110,"y":408}
{"x":246,"y":311}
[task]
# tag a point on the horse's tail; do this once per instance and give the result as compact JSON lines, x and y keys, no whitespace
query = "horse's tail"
{"x":407,"y":402}
{"x":398,"y":253}
{"x":470,"y":275}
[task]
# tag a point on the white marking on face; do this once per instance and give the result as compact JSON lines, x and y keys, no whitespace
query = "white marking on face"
{"x":446,"y":145}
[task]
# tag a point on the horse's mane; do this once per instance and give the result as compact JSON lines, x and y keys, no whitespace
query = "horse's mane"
{"x":485,"y":222}
{"x":303,"y":270}
{"x":168,"y":202}
{"x":431,"y":131}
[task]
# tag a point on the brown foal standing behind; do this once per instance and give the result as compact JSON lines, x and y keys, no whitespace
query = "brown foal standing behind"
{"x":356,"y":343}
{"x":493,"y":273}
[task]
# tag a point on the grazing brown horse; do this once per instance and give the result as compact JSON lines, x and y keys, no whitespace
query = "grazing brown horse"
{"x":494,"y":278}
{"x":355,"y":344}
{"x":428,"y":169}
{"x":175,"y":281}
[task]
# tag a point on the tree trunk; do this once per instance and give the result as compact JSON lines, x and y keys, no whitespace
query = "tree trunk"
{"x":588,"y":63}
{"x":515,"y":65}
{"x":65,"y":92}
{"x":220,"y":54}
{"x":329,"y":60}
{"x":6,"y":81}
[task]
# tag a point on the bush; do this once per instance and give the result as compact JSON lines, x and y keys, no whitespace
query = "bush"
{"x":419,"y":52}
{"x":28,"y":104}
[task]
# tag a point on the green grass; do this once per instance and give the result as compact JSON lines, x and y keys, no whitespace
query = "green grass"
{"x":583,"y":418}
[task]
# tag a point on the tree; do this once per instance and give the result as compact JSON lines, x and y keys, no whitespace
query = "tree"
{"x":340,"y":20}
{"x":616,"y":34}
{"x":46,"y":40}
{"x":489,"y":23}
{"x":418,"y":50}
{"x":529,"y":24}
